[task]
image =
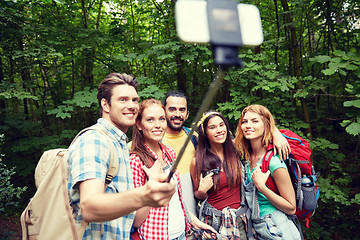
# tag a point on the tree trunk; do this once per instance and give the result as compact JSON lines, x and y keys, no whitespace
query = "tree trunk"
{"x":296,"y":59}
{"x":2,"y":102}
{"x":180,"y":75}
{"x":278,"y":34}
{"x":89,"y":54}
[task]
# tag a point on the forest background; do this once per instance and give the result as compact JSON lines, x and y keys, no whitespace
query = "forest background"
{"x":53,"y":55}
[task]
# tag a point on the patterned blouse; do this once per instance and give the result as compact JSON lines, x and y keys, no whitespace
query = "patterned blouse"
{"x":155,"y":226}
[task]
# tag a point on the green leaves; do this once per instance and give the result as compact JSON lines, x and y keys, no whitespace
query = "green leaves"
{"x":83,"y":99}
{"x":15,"y":91}
{"x":150,"y":89}
{"x":353,"y":128}
{"x":341,"y":62}
{"x":356,"y":200}
{"x":352,"y":124}
{"x":346,"y":64}
{"x":9,"y":194}
{"x":321,"y":59}
{"x":354,"y":103}
{"x":62,"y":111}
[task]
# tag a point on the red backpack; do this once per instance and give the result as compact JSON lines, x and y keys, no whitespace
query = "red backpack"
{"x":300,"y":170}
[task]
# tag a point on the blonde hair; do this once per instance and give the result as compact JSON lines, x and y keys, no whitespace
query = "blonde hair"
{"x":241,"y":143}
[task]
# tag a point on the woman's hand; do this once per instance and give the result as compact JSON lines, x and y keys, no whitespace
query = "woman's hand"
{"x":206,"y":182}
{"x":281,"y":145}
{"x":197,"y":224}
{"x":155,"y":172}
{"x":259,"y":178}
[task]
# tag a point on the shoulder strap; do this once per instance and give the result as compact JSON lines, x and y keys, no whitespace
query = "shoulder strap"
{"x":270,"y":183}
{"x":265,"y":161}
{"x":193,"y":137}
{"x":114,"y":162}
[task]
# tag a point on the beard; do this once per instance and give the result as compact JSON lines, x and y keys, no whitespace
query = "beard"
{"x":175,"y":127}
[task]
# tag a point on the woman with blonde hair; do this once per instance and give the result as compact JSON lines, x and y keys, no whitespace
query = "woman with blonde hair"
{"x":272,"y":214}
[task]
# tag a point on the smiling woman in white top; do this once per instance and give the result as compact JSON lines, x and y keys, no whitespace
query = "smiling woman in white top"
{"x":147,"y":151}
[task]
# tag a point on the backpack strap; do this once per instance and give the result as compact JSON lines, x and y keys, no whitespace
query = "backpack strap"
{"x":249,"y":228}
{"x":291,"y":164}
{"x":270,"y":183}
{"x":193,"y":137}
{"x":114,"y":162}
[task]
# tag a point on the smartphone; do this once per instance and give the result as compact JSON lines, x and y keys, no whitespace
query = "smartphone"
{"x":235,"y":23}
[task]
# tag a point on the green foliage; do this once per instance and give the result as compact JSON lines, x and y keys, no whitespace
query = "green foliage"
{"x":14,"y":91}
{"x":336,"y":198}
{"x":346,"y":64}
{"x":341,"y":62}
{"x":9,"y":194}
{"x":53,"y":54}
{"x":352,"y":124}
{"x":82,"y":101}
{"x":356,"y":200}
{"x":150,"y":90}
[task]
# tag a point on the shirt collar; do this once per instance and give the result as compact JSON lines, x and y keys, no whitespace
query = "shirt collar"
{"x":118,"y":134}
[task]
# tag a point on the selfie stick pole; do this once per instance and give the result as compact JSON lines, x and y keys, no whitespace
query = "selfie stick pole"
{"x":214,"y":86}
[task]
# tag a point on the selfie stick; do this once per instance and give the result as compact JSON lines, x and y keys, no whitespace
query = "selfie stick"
{"x":214,"y":86}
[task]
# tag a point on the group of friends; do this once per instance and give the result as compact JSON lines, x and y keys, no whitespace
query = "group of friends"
{"x":218,"y":176}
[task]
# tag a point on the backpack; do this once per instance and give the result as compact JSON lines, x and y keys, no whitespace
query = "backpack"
{"x":301,"y":171}
{"x":194,"y":139}
{"x":49,"y":214}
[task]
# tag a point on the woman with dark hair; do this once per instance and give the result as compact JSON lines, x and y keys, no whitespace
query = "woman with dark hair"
{"x":217,"y":177}
{"x":272,"y":214}
{"x":147,"y":151}
{"x":216,"y":174}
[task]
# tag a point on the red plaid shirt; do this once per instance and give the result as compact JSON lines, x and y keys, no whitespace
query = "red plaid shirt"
{"x":155,"y":226}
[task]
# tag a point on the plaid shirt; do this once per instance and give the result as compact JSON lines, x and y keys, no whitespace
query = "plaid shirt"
{"x":89,"y":157}
{"x":229,"y":224}
{"x":155,"y":226}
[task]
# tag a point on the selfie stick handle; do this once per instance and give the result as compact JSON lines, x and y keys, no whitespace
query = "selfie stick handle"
{"x":214,"y":86}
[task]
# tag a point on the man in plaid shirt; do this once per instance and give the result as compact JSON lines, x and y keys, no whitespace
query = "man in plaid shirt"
{"x":111,"y":215}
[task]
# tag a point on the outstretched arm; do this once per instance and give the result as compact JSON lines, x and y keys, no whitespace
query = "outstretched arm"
{"x":97,"y":206}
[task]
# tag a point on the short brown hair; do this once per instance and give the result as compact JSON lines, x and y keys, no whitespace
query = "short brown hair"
{"x":109,"y":82}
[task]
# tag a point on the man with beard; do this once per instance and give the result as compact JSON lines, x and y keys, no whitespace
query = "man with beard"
{"x":176,"y":110}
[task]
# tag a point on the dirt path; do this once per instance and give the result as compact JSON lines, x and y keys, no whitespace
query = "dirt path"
{"x":10,"y":228}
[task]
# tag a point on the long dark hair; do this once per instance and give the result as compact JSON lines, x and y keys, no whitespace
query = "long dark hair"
{"x":138,"y":142}
{"x":206,"y":160}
